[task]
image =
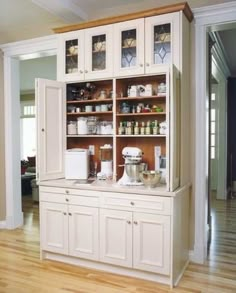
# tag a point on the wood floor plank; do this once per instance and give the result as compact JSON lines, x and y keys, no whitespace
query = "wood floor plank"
{"x":22,"y":271}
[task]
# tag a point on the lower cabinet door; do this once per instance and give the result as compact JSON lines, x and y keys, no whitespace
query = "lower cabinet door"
{"x":151,"y":243}
{"x":83,"y":232}
{"x":54,"y":227}
{"x":116,"y":237}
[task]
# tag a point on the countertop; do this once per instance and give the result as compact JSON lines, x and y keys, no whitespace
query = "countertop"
{"x":111,"y":186}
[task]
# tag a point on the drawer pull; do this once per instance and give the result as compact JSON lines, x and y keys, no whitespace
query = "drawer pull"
{"x":67,"y":199}
{"x":135,"y":223}
{"x":132,"y":203}
{"x":129,"y":222}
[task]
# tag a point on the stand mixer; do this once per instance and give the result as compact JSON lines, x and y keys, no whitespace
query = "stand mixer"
{"x":132,"y":166}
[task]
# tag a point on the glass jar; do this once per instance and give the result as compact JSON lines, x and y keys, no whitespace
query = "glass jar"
{"x":82,"y":127}
{"x":71,"y":128}
{"x":106,"y":127}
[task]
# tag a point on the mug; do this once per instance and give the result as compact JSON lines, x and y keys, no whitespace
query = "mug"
{"x":104,"y":108}
{"x":88,"y":108}
{"x":98,"y":108}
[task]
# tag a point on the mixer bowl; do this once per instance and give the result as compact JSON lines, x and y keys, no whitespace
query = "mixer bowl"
{"x":150,"y":178}
{"x":134,"y":170}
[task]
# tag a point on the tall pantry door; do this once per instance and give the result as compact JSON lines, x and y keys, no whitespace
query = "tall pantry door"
{"x":51,"y":128}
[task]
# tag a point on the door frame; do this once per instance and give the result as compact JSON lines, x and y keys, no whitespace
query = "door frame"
{"x":205,"y":19}
{"x":13,"y":53}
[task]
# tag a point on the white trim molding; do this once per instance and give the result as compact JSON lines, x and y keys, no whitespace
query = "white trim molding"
{"x":205,"y":19}
{"x":14,"y":52}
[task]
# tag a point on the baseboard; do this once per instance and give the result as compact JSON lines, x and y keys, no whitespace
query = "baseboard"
{"x":196,"y":257}
{"x":3,"y":224}
{"x":15,"y":222}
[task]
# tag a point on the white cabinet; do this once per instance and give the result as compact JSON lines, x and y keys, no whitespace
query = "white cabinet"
{"x":162,"y":41}
{"x":68,"y":228}
{"x":144,"y":45}
{"x":83,"y":232}
{"x":129,"y":47}
{"x":151,"y":243}
{"x":51,"y":128}
{"x":133,"y":238}
{"x":116,"y":237}
{"x":86,"y":54}
{"x":54,"y":227}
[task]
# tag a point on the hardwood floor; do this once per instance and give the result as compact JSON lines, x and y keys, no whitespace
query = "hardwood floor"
{"x":21,"y":270}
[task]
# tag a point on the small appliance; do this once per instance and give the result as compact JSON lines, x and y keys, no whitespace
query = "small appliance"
{"x":77,"y":164}
{"x":132,"y":166}
{"x":106,"y":162}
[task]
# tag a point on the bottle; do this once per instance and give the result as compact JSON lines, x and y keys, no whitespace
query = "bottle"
{"x":121,"y":129}
{"x":142,"y":129}
{"x":148,"y":128}
{"x":136,"y":129}
{"x":155,"y":128}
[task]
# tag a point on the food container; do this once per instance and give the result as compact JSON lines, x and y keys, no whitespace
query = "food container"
{"x":71,"y":128}
{"x":92,"y":124}
{"x":82,"y":127}
{"x":106,"y":127}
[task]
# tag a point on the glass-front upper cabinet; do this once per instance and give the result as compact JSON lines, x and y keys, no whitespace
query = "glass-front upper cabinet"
{"x":129,"y":47}
{"x":71,"y":56}
{"x":98,"y":52}
{"x":162,"y":41}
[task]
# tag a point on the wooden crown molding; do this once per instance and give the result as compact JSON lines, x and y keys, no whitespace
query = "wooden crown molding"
{"x":119,"y":18}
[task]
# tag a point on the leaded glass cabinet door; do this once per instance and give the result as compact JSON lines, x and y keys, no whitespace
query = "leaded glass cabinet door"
{"x":71,"y":56}
{"x":129,"y":47}
{"x":162,"y":41}
{"x":98,"y":56}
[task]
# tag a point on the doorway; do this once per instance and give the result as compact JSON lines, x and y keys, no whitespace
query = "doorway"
{"x":14,"y":53}
{"x":218,"y":16}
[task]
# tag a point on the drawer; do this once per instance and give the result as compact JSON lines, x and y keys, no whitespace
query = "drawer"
{"x":90,"y":201}
{"x":57,"y":197}
{"x":52,"y":197}
{"x":136,"y":202}
{"x":68,"y":191}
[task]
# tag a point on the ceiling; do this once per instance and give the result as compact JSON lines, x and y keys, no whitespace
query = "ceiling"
{"x":26,"y":19}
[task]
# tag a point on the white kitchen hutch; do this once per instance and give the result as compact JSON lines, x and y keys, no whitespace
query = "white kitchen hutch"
{"x":129,"y":230}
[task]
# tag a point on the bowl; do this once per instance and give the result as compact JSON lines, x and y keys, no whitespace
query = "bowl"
{"x":134,"y":170}
{"x":150,"y":178}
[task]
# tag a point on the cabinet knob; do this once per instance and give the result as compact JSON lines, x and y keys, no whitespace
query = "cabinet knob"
{"x":64,"y":213}
{"x":129,"y":222}
{"x":67,"y":191}
{"x":43,"y":129}
{"x":70,"y":214}
{"x":132,"y":203}
{"x":141,"y":65}
{"x":67,"y":199}
{"x":81,"y":71}
{"x":86,"y":71}
{"x":135,"y":223}
{"x":147,"y":64}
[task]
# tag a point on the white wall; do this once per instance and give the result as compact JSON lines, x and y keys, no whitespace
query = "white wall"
{"x":44,"y":67}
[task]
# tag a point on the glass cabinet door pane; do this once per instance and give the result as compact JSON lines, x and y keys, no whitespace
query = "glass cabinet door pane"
{"x":128,"y":48}
{"x":162,"y":44}
{"x":99,"y":52}
{"x":71,"y":56}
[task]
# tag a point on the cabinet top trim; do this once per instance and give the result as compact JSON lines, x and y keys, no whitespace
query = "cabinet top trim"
{"x":119,"y":18}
